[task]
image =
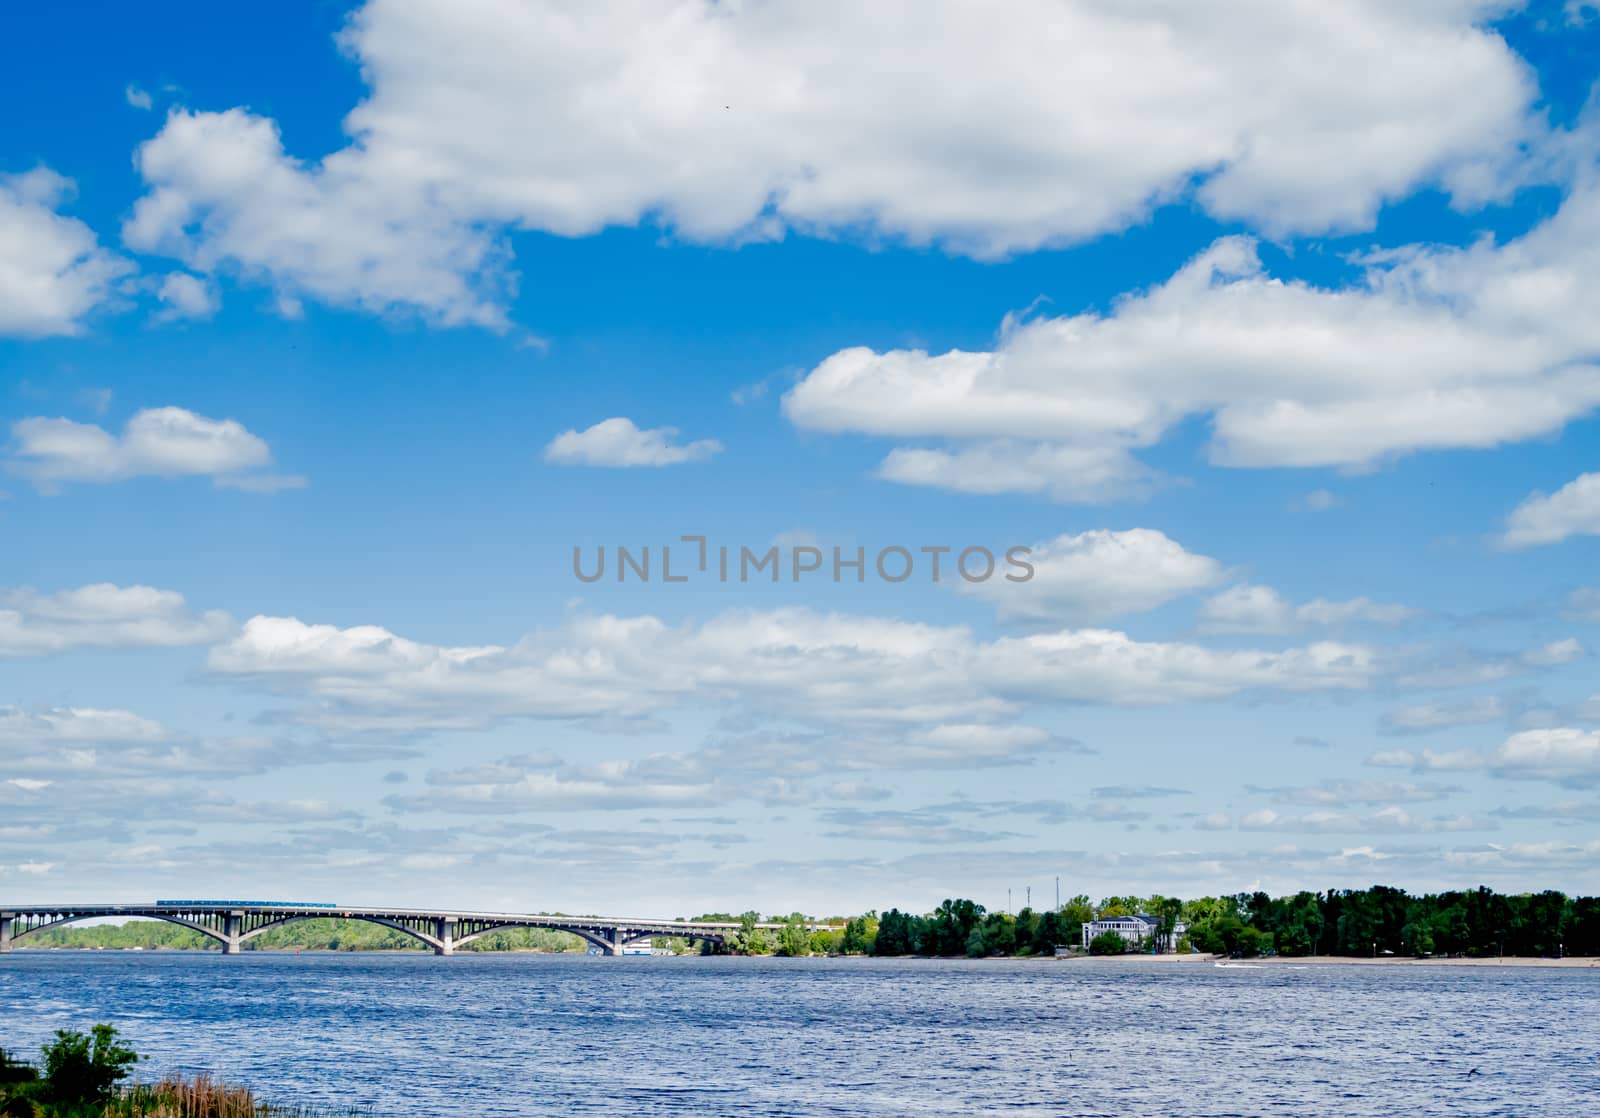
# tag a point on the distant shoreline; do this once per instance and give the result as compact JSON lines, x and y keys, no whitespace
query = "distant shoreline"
{"x":1568,"y":963}
{"x":1141,"y":960}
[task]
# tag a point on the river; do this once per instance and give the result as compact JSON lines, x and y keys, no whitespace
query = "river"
{"x":478,"y":1035}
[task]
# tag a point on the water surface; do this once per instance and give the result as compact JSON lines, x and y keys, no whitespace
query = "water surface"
{"x":477,"y":1035}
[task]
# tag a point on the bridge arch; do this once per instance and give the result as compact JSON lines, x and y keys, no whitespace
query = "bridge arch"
{"x":426,"y":938}
{"x":74,"y":917}
{"x":479,"y":933}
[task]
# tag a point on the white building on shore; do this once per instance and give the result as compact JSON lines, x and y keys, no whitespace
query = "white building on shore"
{"x":1139,"y":932}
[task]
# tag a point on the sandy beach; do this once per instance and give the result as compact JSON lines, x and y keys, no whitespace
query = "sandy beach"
{"x":1570,"y":963}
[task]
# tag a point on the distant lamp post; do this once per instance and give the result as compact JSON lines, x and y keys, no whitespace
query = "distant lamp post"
{"x":1374,"y":949}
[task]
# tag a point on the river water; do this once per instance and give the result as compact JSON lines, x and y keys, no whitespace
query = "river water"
{"x":478,"y":1035}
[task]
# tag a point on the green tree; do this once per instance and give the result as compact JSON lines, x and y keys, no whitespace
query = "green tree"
{"x":896,"y":934}
{"x":86,"y":1067}
{"x":793,"y":938}
{"x":951,"y":926}
{"x":1073,"y":916}
{"x":749,"y":939}
{"x":1051,"y":933}
{"x":860,"y":935}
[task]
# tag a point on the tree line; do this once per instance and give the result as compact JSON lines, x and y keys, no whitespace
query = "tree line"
{"x":1379,"y":920}
{"x":1475,"y":923}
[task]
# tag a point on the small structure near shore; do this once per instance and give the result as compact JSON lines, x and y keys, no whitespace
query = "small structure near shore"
{"x":1140,"y":932}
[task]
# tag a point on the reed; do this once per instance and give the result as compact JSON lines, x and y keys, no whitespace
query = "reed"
{"x":204,"y":1097}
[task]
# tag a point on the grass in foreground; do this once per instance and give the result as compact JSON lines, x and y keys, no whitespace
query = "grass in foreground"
{"x":83,"y":1077}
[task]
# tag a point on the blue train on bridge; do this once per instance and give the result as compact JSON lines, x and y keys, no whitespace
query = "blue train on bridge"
{"x":250,"y":904}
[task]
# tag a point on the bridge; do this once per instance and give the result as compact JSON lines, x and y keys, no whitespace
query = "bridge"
{"x":235,"y":923}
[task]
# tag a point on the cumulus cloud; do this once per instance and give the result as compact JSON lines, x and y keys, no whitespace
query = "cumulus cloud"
{"x":225,"y":197}
{"x":187,"y":297}
{"x":791,"y":663}
{"x":1565,"y":755}
{"x":53,"y":272}
{"x":1561,"y":754}
{"x":156,"y":442}
{"x":1098,"y":575}
{"x":618,"y":442}
{"x":1572,"y":510}
{"x":1432,"y":348}
{"x":103,"y":615}
{"x":1076,"y":474}
{"x":1262,"y":610}
{"x":994,"y":132}
{"x":75,"y":725}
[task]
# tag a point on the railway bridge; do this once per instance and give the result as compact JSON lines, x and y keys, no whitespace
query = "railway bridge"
{"x":234,"y":923}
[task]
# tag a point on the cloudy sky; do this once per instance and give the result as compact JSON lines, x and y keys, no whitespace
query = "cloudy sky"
{"x":326,"y":339}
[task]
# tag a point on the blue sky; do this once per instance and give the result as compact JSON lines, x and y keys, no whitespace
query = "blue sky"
{"x":325,"y":338}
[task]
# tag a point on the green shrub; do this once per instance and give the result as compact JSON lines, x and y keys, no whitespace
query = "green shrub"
{"x":1108,"y":943}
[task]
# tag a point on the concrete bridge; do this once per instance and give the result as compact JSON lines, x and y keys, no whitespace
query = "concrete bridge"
{"x":235,"y":923}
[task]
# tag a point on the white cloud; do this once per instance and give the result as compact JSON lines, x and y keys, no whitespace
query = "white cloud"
{"x":225,"y":197}
{"x":74,"y":725}
{"x":1463,"y":668}
{"x":1433,"y":348}
{"x":1262,"y":610}
{"x":53,"y":272}
{"x":1572,"y":510}
{"x":187,"y":297}
{"x":1435,"y":716}
{"x":1428,"y":760}
{"x":1087,"y":475}
{"x":156,"y":442}
{"x":1562,"y":754}
{"x":789,"y":663}
{"x":137,"y":98}
{"x":1344,"y":793}
{"x":102,"y":616}
{"x":1553,"y":654}
{"x":617,"y":442}
{"x":1391,"y":820}
{"x":992,"y":131}
{"x":1319,"y":500}
{"x":769,"y":768}
{"x":1098,"y":575}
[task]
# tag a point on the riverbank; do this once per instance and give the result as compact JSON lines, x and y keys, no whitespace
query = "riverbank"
{"x":1569,"y":963}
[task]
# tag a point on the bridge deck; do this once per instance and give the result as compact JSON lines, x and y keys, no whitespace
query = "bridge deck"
{"x":233,"y":923}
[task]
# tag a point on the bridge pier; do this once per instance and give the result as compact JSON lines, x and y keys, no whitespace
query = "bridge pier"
{"x":445,"y":929}
{"x":232,"y":931}
{"x":5,"y":932}
{"x":614,"y":941}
